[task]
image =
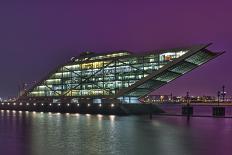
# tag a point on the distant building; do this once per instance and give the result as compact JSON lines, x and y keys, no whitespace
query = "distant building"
{"x":116,"y":77}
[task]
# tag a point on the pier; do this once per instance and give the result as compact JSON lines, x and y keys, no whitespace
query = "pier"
{"x":83,"y":108}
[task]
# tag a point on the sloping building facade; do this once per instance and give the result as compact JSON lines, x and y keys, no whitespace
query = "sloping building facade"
{"x":120,"y":77}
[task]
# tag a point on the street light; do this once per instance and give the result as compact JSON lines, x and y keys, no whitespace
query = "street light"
{"x":223,"y":93}
{"x":218,"y":94}
{"x":187,"y":98}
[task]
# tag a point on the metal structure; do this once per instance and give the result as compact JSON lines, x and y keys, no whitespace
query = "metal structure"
{"x":117,"y":77}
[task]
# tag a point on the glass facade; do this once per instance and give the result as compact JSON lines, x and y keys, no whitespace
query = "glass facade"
{"x":102,"y":75}
{"x":120,"y":75}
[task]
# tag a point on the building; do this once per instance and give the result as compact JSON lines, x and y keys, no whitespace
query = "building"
{"x":119,"y":77}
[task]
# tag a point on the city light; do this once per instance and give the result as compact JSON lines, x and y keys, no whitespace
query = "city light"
{"x":112,"y":117}
{"x":99,"y":116}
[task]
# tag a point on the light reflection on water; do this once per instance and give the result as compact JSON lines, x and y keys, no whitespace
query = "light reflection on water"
{"x":35,"y":133}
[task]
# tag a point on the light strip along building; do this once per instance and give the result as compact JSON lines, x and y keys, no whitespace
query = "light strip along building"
{"x":118,"y":77}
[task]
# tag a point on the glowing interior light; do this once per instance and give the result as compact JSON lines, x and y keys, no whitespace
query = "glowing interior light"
{"x":50,"y":104}
{"x":14,"y":103}
{"x":58,"y":104}
{"x":42,"y":104}
{"x":34,"y":104}
{"x":2,"y":103}
{"x":112,"y":105}
{"x":27,"y":104}
{"x":78,"y":105}
{"x":20,"y":104}
{"x":88,"y":105}
{"x":8,"y":103}
{"x":100,"y":105}
{"x":61,"y":82}
{"x":68,"y":105}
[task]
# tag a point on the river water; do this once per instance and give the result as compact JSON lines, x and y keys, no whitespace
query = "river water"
{"x":30,"y":133}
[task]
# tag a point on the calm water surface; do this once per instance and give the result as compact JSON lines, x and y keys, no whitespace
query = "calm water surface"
{"x":24,"y":133}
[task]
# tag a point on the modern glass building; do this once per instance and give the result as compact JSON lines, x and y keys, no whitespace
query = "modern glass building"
{"x":117,"y":77}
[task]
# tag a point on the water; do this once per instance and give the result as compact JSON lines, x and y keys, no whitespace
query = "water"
{"x":24,"y":133}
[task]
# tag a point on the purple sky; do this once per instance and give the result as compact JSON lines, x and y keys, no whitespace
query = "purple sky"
{"x":37,"y":36}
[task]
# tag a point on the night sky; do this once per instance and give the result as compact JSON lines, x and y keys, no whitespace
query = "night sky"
{"x":37,"y":36}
